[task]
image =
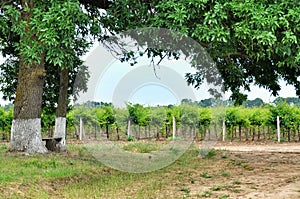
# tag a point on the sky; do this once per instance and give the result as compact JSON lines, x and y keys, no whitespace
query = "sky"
{"x":141,"y":85}
{"x":120,"y":83}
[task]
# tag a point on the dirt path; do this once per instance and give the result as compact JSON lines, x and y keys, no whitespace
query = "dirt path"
{"x":271,"y":170}
{"x":260,"y":147}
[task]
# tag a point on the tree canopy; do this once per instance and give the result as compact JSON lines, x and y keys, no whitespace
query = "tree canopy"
{"x":253,"y":41}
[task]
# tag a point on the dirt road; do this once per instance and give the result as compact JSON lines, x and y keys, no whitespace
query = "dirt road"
{"x":271,"y":170}
{"x":260,"y":147}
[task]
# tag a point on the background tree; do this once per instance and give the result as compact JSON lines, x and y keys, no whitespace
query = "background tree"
{"x":287,"y":116}
{"x":257,"y":102}
{"x":189,"y":118}
{"x":158,"y":119}
{"x":106,"y":117}
{"x":139,"y":115}
{"x":176,"y":112}
{"x":205,"y":119}
{"x":258,"y":117}
{"x":6,"y":117}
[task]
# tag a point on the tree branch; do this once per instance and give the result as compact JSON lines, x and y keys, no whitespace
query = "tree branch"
{"x":103,"y":4}
{"x":234,"y":54}
{"x":5,"y":3}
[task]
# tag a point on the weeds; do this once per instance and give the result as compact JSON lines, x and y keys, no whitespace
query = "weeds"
{"x":129,"y":138}
{"x":207,"y":153}
{"x":224,"y":196}
{"x":139,"y":147}
{"x":205,"y":175}
{"x":206,"y":194}
{"x":217,"y":188}
{"x":225,"y":174}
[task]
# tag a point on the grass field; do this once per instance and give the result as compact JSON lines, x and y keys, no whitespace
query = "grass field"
{"x":76,"y":174}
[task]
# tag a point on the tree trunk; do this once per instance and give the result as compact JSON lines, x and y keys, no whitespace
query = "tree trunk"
{"x":107,"y":133}
{"x":118,"y":136}
{"x":240,"y":132}
{"x":61,"y":111}
{"x":232,"y":130}
{"x":216,"y":132}
{"x":253,"y":133}
{"x":264,"y":132}
{"x":298,"y":133}
{"x":157,"y":133}
{"x":26,"y":125}
{"x":246,"y":134}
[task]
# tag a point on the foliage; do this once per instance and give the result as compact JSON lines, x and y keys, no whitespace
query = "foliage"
{"x":140,"y":147}
{"x":6,"y":117}
{"x":288,"y":115}
{"x":250,"y":42}
{"x":189,"y":115}
{"x":52,"y":33}
{"x":138,"y":114}
{"x":205,"y":117}
{"x":176,"y":138}
{"x":105,"y":115}
{"x":129,"y":138}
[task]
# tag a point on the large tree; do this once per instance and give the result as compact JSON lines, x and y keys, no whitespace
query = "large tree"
{"x":44,"y":31}
{"x":253,"y":41}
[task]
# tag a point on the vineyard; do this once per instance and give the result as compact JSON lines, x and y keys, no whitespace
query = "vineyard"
{"x":136,"y":121}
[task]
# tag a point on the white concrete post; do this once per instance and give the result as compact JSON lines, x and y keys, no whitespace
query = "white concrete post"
{"x":174,"y":127}
{"x":224,"y":131}
{"x":278,"y":129}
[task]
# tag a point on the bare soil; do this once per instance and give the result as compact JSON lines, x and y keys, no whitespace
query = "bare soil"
{"x":265,"y":170}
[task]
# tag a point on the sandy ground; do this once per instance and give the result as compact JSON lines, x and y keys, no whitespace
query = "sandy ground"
{"x":260,"y":147}
{"x":268,"y":170}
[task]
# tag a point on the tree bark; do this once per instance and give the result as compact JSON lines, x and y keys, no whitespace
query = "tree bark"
{"x":61,"y":111}
{"x":107,"y":133}
{"x":253,"y":133}
{"x":240,"y":133}
{"x":26,"y":125}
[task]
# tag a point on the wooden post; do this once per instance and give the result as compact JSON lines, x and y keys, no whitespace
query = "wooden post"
{"x":278,"y":129}
{"x":224,"y":131}
{"x":174,"y":127}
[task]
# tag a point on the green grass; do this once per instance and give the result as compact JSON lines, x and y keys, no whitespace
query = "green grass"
{"x":139,"y":147}
{"x":207,"y":152}
{"x":206,"y":194}
{"x":217,"y":188}
{"x":206,"y":175}
{"x":225,"y":174}
{"x":224,"y":196}
{"x":77,"y":174}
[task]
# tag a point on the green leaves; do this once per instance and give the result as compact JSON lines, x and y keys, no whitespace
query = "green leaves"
{"x":51,"y":27}
{"x":105,"y":115}
{"x":6,"y":117}
{"x":138,"y":114}
{"x":250,"y":35}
